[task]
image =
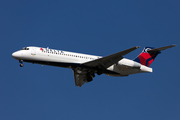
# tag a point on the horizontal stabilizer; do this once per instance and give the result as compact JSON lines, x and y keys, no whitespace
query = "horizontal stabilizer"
{"x":161,"y":48}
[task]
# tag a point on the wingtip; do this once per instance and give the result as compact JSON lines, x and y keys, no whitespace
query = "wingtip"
{"x":174,"y":45}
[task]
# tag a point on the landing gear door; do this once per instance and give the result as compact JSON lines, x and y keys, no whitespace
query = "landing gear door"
{"x":33,"y":51}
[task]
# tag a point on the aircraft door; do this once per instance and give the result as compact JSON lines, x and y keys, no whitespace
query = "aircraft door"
{"x":33,"y":51}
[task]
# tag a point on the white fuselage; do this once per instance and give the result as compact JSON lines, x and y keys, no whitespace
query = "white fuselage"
{"x":70,"y":59}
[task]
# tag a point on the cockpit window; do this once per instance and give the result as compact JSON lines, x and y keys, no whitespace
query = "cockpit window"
{"x":25,"y":48}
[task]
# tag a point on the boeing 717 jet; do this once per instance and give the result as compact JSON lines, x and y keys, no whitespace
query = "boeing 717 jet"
{"x":86,"y":66}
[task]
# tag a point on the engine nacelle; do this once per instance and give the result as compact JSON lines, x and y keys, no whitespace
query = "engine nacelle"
{"x":129,"y":63}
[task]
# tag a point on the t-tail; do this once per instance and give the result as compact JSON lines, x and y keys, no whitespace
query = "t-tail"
{"x":148,"y":55}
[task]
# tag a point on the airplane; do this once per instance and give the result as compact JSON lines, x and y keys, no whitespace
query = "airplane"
{"x":85,"y":66}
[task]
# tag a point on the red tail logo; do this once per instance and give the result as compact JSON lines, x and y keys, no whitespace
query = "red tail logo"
{"x":146,"y":58}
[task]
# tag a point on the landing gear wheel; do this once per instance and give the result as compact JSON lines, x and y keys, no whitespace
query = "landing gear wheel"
{"x":20,"y":61}
{"x":99,"y":72}
{"x":21,"y":65}
{"x":89,"y":79}
{"x":93,"y":75}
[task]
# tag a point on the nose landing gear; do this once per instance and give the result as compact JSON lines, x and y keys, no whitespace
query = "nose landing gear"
{"x":21,"y":61}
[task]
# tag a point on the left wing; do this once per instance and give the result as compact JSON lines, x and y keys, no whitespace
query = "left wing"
{"x":86,"y":75}
{"x":108,"y":61}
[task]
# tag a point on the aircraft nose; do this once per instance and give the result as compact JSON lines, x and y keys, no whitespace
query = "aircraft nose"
{"x":17,"y":55}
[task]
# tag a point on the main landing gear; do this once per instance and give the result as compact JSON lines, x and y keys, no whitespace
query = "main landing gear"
{"x":21,"y":61}
{"x":90,"y":77}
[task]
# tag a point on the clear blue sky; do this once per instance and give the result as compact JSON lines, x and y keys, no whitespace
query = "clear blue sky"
{"x":97,"y":27}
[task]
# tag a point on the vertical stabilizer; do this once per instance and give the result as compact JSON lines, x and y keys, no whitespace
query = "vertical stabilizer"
{"x":148,"y":55}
